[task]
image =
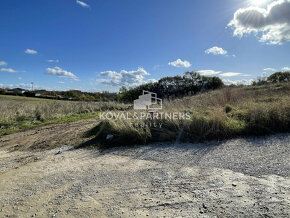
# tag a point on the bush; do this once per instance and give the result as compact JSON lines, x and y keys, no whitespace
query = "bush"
{"x":269,"y":119}
{"x":279,"y":77}
{"x":122,"y":133}
{"x":38,"y":116}
{"x":29,"y":94}
{"x":177,"y":86}
{"x":216,"y":125}
{"x":228,"y":108}
{"x":2,"y":91}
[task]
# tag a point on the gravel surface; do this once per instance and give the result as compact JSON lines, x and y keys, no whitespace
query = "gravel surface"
{"x":251,"y":156}
{"x":235,"y":178}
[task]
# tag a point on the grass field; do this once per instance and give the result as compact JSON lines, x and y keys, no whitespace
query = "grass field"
{"x":220,"y":114}
{"x":21,"y":112}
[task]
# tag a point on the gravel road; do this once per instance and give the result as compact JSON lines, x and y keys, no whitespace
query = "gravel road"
{"x":236,"y":178}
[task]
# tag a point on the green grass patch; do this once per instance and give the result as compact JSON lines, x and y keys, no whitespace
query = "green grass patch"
{"x":23,"y":124}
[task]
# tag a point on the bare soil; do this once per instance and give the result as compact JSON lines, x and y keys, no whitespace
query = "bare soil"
{"x":42,"y":175}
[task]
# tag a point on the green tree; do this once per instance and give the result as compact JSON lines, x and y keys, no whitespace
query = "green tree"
{"x":2,"y":91}
{"x":279,"y":77}
{"x":177,"y":86}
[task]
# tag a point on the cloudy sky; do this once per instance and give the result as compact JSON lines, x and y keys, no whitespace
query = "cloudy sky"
{"x":97,"y":45}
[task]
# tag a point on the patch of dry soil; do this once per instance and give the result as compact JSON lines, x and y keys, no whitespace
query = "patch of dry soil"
{"x":185,"y":180}
{"x":48,"y":137}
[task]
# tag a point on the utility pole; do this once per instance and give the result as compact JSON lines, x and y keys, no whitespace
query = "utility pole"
{"x":31,"y":86}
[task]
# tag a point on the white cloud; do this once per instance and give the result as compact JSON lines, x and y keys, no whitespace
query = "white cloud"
{"x":230,"y":74}
{"x":20,"y":78}
{"x":213,"y":72}
{"x":20,"y":85}
{"x":83,"y":4}
{"x":151,"y":81}
{"x":8,"y":70}
{"x":270,"y":69}
{"x":208,"y":72}
{"x":286,"y":68}
{"x":238,"y":82}
{"x":53,"y":61}
{"x":271,"y":25}
{"x":60,"y":82}
{"x":216,"y":51}
{"x":3,"y":63}
{"x":180,"y":63}
{"x":30,"y":51}
{"x":57,"y":71}
{"x":124,"y":78}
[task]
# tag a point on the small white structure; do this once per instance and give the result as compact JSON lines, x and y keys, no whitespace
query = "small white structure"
{"x":148,"y":101}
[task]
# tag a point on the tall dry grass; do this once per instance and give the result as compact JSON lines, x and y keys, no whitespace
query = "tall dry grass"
{"x":47,"y":110}
{"x":220,"y":114}
{"x":17,"y":111}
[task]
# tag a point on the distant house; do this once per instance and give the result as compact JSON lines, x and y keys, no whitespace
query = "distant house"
{"x":16,"y":91}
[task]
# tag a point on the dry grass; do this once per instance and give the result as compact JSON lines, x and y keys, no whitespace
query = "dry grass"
{"x":220,"y":114}
{"x":18,"y":112}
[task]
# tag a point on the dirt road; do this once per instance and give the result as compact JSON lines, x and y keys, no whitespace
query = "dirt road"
{"x":235,"y":178}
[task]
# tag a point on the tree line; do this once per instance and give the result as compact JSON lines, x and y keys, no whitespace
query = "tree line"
{"x":190,"y":83}
{"x":277,"y":77}
{"x":178,"y":86}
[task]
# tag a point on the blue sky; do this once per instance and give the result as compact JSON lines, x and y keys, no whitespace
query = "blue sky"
{"x":96,"y":45}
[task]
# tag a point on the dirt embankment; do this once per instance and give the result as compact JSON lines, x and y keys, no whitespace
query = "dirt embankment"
{"x":48,"y":137}
{"x":242,"y":177}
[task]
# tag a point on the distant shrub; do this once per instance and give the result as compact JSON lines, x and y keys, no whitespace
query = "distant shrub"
{"x":228,"y":108}
{"x":2,"y":91}
{"x":29,"y":94}
{"x":279,"y":77}
{"x":173,"y":87}
{"x":38,"y":116}
{"x":20,"y":118}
